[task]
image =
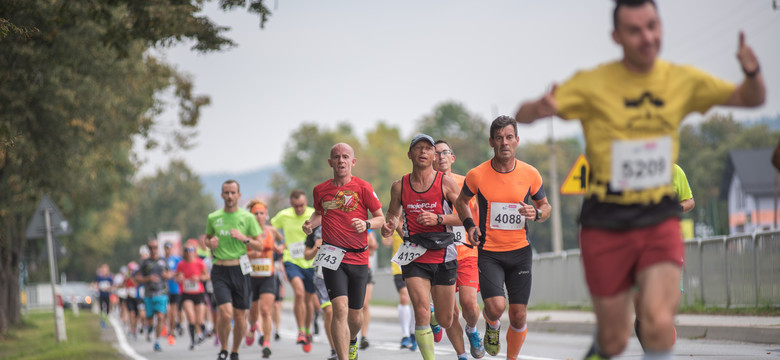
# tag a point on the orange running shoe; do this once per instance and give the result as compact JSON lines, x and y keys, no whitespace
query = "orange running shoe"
{"x":164,"y":331}
{"x":171,"y":340}
{"x":301,"y":338}
{"x":307,"y":344}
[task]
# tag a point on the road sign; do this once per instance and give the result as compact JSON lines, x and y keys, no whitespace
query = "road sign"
{"x":576,"y":183}
{"x":37,"y":227}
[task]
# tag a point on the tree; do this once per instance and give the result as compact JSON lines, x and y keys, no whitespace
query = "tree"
{"x":467,"y":134}
{"x":74,"y":94}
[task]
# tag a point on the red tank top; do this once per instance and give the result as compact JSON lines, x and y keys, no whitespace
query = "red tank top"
{"x":430,"y":200}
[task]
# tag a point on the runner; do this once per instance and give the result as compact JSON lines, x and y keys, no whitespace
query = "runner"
{"x":104,"y":282}
{"x":229,"y":232}
{"x":133,"y":300}
{"x":313,"y":243}
{"x":631,"y":110}
{"x":405,"y":314}
{"x":153,"y":275}
{"x":121,"y":293}
{"x":504,"y":187}
{"x":263,"y":282}
{"x":683,"y":191}
{"x":467,"y":284}
{"x":343,"y":205}
{"x":174,"y":295}
{"x":372,"y":246}
{"x":210,"y":320}
{"x":191,"y":272}
{"x":281,"y":278}
{"x":300,"y":273}
{"x":428,"y":257}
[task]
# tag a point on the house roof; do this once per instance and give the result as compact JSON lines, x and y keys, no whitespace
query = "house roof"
{"x":754,"y":169}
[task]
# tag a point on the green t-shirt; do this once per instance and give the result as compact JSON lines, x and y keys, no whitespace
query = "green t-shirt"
{"x":220,"y":223}
{"x":680,"y":182}
{"x":290,"y":224}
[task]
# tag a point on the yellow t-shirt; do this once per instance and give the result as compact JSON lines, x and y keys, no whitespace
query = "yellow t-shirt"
{"x":621,"y":112}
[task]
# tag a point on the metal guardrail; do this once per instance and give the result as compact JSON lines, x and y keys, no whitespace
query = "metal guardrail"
{"x":724,"y":271}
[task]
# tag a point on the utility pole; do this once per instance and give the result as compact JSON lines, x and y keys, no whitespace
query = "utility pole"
{"x":555,"y":196}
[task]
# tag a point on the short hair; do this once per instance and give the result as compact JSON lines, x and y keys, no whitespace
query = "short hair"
{"x":628,"y":3}
{"x":502,"y":122}
{"x":296,"y":194}
{"x":445,"y":143}
{"x":231,"y":181}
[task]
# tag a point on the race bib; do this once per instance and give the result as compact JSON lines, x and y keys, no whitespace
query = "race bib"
{"x":141,"y":292}
{"x":461,"y":237}
{"x":104,"y":286}
{"x":246,"y":267}
{"x":191,"y":286}
{"x":261,"y":267}
{"x":329,"y":256}
{"x":296,"y":250}
{"x":121,"y":292}
{"x":132,"y":292}
{"x":407,"y":253}
{"x":641,"y":164}
{"x":506,"y":216}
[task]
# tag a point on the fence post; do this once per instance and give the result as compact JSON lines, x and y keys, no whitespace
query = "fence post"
{"x":728,"y":271}
{"x":701,"y":271}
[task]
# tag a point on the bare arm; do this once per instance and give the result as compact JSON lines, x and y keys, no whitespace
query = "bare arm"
{"x":310,"y":252}
{"x":314,"y":221}
{"x":752,"y":91}
{"x":393,"y":210}
{"x":531,"y":111}
{"x":687,"y":205}
{"x":544,"y":207}
{"x":462,"y":207}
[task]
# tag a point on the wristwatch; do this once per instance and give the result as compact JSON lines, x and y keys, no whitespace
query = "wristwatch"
{"x":538,"y":215}
{"x":368,"y":225}
{"x":439,"y":219}
{"x":246,"y":241}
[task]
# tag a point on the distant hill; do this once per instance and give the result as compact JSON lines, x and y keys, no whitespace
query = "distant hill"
{"x":254,"y":183}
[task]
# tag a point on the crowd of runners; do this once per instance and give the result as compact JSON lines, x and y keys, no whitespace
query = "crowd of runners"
{"x":454,"y":237}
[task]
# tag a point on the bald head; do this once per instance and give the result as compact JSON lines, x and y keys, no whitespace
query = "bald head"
{"x":342,"y":147}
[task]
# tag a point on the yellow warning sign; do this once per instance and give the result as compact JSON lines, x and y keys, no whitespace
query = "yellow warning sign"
{"x":576,"y":183}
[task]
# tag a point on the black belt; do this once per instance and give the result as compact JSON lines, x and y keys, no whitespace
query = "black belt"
{"x":348,"y":250}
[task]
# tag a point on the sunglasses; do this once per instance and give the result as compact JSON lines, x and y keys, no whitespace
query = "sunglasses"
{"x":189,"y":249}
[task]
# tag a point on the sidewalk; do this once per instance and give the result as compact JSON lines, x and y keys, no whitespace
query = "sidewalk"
{"x":754,"y":329}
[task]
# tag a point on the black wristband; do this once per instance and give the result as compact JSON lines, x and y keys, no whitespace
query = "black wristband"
{"x":753,"y":73}
{"x":468,"y":223}
{"x":439,"y":219}
{"x":368,"y":225}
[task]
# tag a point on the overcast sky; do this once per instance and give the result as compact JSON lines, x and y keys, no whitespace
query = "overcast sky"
{"x":364,"y":61}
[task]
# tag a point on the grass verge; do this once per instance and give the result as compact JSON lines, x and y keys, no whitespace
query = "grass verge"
{"x":34,"y":339}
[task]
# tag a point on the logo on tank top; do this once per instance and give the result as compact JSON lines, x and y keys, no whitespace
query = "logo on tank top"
{"x":344,"y":200}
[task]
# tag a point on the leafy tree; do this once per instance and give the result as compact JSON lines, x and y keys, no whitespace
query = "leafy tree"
{"x":467,"y":134}
{"x":74,"y":94}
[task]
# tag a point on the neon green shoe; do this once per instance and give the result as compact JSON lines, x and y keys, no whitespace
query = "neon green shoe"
{"x":492,"y":340}
{"x":353,"y":348}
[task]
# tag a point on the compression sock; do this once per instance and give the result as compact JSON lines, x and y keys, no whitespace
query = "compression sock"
{"x":514,"y":341}
{"x":405,"y":318}
{"x":191,"y":328}
{"x":424,"y":336}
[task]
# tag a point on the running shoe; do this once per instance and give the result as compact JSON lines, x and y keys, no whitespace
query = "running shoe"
{"x":192,"y":346}
{"x":353,"y":351}
{"x":276,"y":336}
{"x":477,"y":349}
{"x":179,"y":329}
{"x":261,"y":339}
{"x":233,"y":356}
{"x":333,"y":355}
{"x":464,"y":357}
{"x":164,"y":331}
{"x":157,"y":347}
{"x":171,"y":340}
{"x":250,"y":336}
{"x":406,"y":342}
{"x":223,"y":355}
{"x":435,"y":327}
{"x":307,"y":344}
{"x":363,"y":343}
{"x":492,"y":340}
{"x":266,"y":352}
{"x":414,"y":343}
{"x":102,"y":323}
{"x":301,"y":338}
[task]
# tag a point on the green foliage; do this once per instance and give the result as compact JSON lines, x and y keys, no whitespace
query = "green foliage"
{"x":35,"y":340}
{"x":467,"y":134}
